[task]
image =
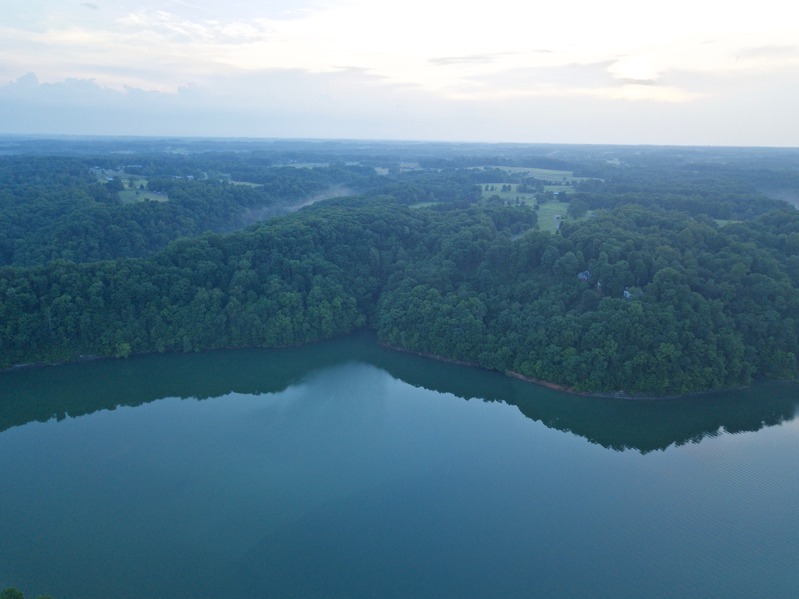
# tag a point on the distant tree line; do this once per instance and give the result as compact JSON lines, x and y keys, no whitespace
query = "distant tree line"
{"x":719,"y":197}
{"x":54,"y":208}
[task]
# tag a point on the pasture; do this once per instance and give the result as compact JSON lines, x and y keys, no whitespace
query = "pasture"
{"x":547,"y":213}
{"x":495,"y":189}
{"x":511,"y":195}
{"x":246,"y":184}
{"x":294,"y":164}
{"x":544,"y":174}
{"x":131,"y":196}
{"x":135,"y":187}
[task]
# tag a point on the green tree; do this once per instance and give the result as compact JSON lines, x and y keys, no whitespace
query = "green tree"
{"x":577,"y":208}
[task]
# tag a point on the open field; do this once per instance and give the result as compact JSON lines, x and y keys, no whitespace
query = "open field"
{"x":133,"y":182}
{"x":538,"y":173}
{"x":547,"y":213}
{"x":246,"y":184}
{"x":511,"y":195}
{"x":559,"y":188}
{"x":304,"y":164}
{"x":134,"y":187}
{"x":130,"y":181}
{"x":131,"y":196}
{"x":545,"y":174}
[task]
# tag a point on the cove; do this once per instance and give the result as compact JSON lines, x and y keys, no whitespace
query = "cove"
{"x":346,"y":469}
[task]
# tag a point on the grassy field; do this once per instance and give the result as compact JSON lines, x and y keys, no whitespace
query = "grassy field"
{"x":246,"y":183}
{"x":513,"y":194}
{"x":131,"y":196}
{"x":547,"y":212}
{"x":545,"y":174}
{"x":134,"y":191}
{"x":559,"y":188}
{"x":304,"y":164}
{"x":133,"y":182}
{"x":135,"y":187}
{"x":506,"y":195}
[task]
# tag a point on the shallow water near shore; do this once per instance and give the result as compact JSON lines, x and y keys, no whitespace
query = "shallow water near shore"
{"x":346,"y":469}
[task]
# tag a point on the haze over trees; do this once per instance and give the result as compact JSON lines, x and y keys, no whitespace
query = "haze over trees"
{"x":668,"y":271}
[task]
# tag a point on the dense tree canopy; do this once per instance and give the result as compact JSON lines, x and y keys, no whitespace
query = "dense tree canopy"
{"x":671,"y":305}
{"x":59,"y":208}
{"x":648,"y":294}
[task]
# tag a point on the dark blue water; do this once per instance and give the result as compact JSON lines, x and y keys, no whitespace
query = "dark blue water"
{"x":345,"y":470}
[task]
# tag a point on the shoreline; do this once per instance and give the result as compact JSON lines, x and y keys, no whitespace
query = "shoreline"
{"x":601,"y":394}
{"x":79,"y":359}
{"x":620,"y":394}
{"x":556,"y":386}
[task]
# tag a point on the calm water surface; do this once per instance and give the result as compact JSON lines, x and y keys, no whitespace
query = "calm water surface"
{"x":345,"y":470}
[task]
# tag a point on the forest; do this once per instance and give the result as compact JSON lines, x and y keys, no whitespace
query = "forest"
{"x":679,"y":272}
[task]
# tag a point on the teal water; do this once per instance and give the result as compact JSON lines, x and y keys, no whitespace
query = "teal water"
{"x":343,"y":469}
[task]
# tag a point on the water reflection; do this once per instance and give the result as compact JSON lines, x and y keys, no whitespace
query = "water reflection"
{"x":78,"y":389}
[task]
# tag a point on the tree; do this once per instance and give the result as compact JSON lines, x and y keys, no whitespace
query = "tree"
{"x":115,"y":185}
{"x":577,"y":208}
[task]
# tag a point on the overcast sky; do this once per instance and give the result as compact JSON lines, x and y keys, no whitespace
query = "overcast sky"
{"x":703,"y":72}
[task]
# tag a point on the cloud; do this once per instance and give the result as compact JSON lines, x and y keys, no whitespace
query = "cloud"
{"x":487,"y":58}
{"x":550,"y":80}
{"x":296,"y":103}
{"x":593,"y":74}
{"x":650,"y":82}
{"x":640,"y":67}
{"x":352,"y":68}
{"x":471,"y":59}
{"x":273,"y":103}
{"x":173,"y":28}
{"x":779,"y":52}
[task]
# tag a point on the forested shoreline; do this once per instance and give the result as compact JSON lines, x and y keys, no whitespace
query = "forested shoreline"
{"x":633,"y":297}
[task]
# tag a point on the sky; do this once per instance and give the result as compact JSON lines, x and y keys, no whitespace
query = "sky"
{"x":683,"y":72}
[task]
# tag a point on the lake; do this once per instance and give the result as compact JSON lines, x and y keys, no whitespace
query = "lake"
{"x":343,"y":469}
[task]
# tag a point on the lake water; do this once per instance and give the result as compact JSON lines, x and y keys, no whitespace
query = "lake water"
{"x":343,"y":469}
